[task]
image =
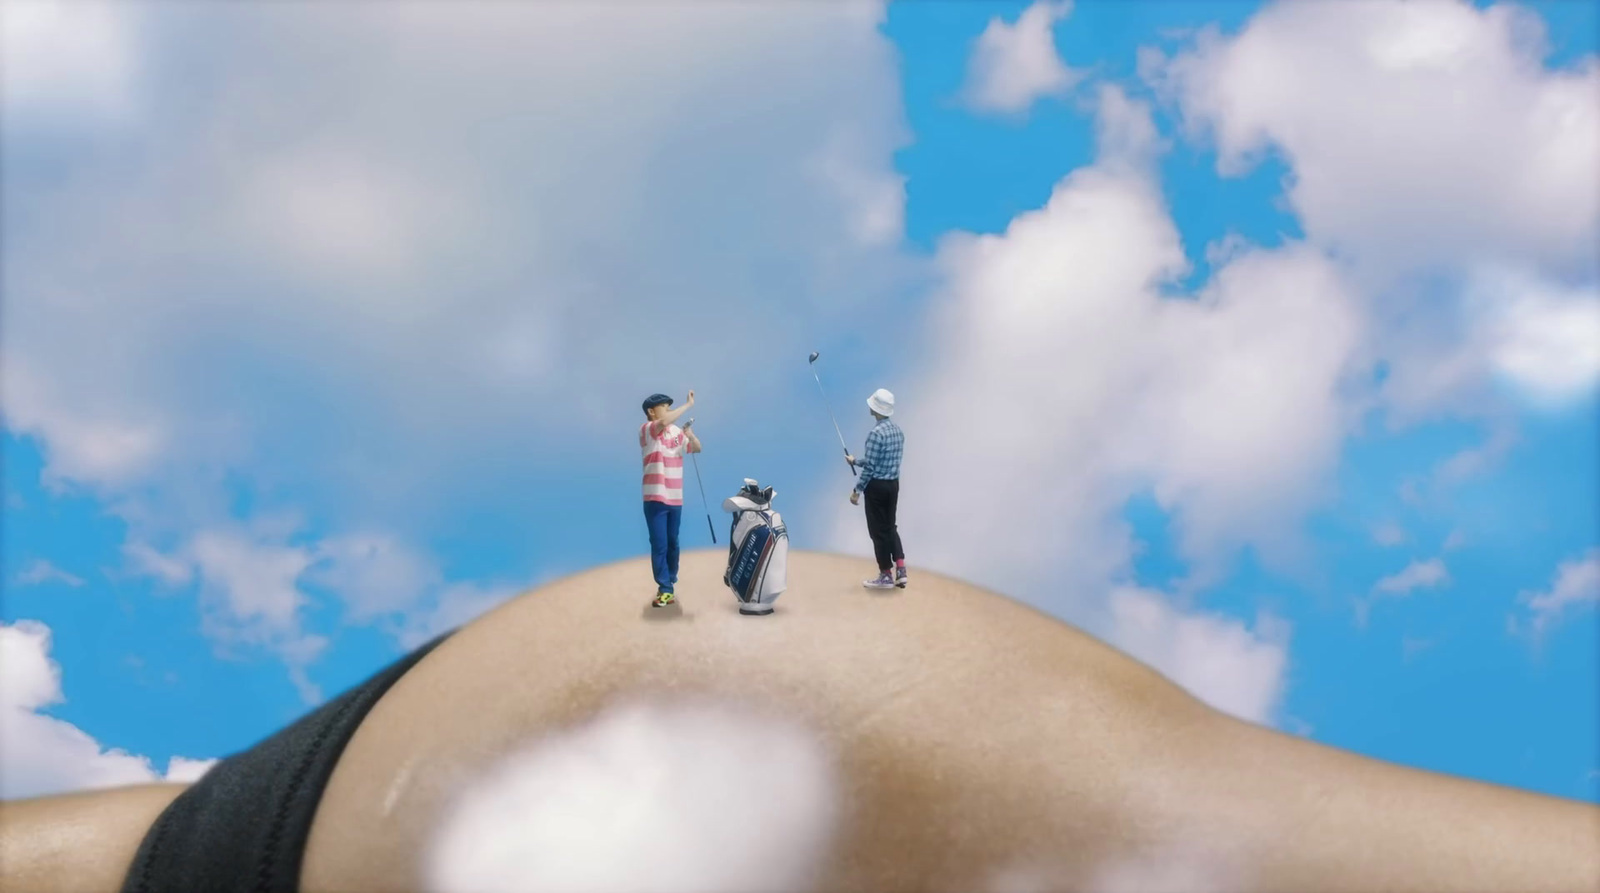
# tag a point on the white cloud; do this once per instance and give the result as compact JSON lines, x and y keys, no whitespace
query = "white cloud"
{"x":1080,"y":382}
{"x":73,"y":57}
{"x":373,"y":573}
{"x":1576,"y":584}
{"x":1451,"y":172}
{"x":1015,"y":65}
{"x":253,"y":582}
{"x":96,"y":442}
{"x":876,"y":198}
{"x":334,"y":234}
{"x":1542,"y":336}
{"x":42,"y":571}
{"x":1416,"y":575}
{"x":585,"y":808}
{"x":1072,"y":371}
{"x":1389,"y":534}
{"x":42,"y":755}
{"x":1217,"y":659}
{"x":250,"y":595}
{"x":1477,"y":460}
{"x":187,"y":770}
{"x":373,"y":275}
{"x":146,"y":561}
{"x":1419,"y":133}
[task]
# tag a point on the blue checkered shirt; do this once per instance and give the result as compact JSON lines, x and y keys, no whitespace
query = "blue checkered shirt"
{"x":881,"y":462}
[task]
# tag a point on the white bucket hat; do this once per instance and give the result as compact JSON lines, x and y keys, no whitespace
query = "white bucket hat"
{"x":881,"y":402}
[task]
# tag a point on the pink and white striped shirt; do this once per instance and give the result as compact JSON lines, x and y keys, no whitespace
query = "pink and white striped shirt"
{"x":663,"y":463}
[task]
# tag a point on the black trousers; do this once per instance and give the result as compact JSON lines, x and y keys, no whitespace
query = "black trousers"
{"x":881,"y":499}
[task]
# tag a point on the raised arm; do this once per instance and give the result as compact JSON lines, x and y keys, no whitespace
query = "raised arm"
{"x":671,"y":416}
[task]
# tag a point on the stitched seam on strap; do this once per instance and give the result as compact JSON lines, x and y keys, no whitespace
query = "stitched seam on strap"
{"x":296,"y":783}
{"x":145,"y":869}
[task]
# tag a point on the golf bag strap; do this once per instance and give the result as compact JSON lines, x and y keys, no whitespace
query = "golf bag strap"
{"x":242,"y":828}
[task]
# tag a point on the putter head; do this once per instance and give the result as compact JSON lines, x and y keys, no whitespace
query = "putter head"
{"x":814,"y":356}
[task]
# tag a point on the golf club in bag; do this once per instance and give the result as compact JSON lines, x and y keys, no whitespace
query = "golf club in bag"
{"x":695,"y":458}
{"x":813,"y":363}
{"x":758,"y":550}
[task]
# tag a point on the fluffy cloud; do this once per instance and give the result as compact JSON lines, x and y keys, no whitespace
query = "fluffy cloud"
{"x":1389,"y":534}
{"x":256,"y":581}
{"x":1576,"y":584}
{"x":374,"y":574}
{"x":1015,"y":65}
{"x":142,"y":560}
{"x":42,"y":571}
{"x":1542,"y":336}
{"x":42,"y":755}
{"x":361,"y":255}
{"x":250,"y":584}
{"x":1219,"y":660}
{"x":1079,"y":382}
{"x":77,"y":58}
{"x":585,"y":808}
{"x":486,"y":236}
{"x":1419,"y":134}
{"x":1416,"y":575}
{"x":1452,"y":172}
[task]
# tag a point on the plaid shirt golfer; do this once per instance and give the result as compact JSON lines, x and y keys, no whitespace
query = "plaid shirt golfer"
{"x":885,"y":445}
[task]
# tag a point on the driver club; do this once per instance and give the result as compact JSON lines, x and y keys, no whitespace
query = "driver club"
{"x":813,"y":363}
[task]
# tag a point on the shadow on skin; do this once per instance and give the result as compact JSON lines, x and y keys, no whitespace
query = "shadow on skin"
{"x":976,"y":739}
{"x":673,"y":611}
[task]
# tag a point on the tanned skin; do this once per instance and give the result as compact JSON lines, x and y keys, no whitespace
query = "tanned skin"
{"x":976,"y":734}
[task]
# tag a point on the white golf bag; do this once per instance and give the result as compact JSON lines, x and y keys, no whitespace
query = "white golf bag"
{"x":758,"y":550}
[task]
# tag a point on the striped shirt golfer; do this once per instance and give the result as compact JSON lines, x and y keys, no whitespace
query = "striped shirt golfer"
{"x":885,"y":445}
{"x":663,"y":463}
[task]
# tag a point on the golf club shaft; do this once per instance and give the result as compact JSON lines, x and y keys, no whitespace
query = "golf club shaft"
{"x":842,"y":445}
{"x":704,"y":503}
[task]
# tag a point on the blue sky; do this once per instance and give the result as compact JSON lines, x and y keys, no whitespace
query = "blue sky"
{"x":395,"y":427}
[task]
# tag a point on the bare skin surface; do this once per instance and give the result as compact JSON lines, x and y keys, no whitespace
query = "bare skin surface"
{"x":976,"y":737}
{"x":77,"y":842}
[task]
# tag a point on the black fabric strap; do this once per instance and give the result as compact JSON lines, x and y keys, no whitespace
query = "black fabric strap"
{"x":242,"y":828}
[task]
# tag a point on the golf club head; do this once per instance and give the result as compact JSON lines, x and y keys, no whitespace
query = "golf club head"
{"x":814,"y":355}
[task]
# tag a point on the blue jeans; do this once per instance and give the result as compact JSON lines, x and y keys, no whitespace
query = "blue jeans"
{"x":663,"y":521}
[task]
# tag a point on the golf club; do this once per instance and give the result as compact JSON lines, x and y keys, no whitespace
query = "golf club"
{"x":695,"y":458}
{"x":813,"y":363}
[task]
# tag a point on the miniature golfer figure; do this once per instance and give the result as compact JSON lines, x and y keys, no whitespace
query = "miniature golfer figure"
{"x":880,"y":482}
{"x":663,"y":444}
